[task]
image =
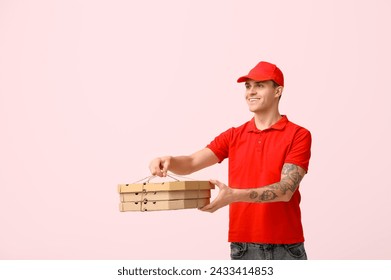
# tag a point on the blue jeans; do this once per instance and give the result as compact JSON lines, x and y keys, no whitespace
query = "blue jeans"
{"x":255,"y":251}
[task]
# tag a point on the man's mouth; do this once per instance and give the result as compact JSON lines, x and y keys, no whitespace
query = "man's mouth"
{"x":253,"y":99}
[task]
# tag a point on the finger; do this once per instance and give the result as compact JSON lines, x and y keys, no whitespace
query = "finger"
{"x":213,"y":181}
{"x":154,"y":168}
{"x":207,"y":208}
{"x":217,"y":183}
{"x":165,"y":166}
{"x":211,"y":207}
{"x":159,"y":173}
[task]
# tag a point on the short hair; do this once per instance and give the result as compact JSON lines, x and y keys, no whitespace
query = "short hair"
{"x":275,"y":84}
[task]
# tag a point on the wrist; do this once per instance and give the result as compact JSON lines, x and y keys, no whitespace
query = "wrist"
{"x":237,"y":195}
{"x":242,"y":195}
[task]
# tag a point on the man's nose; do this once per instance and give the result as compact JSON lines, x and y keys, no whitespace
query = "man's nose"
{"x":251,"y":90}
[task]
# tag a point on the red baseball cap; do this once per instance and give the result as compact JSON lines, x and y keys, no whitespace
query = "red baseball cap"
{"x":264,"y":71}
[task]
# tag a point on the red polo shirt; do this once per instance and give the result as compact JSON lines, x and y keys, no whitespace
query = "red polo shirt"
{"x":256,"y":158}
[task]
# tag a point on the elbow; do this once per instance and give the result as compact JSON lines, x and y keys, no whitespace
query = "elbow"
{"x":287,"y":197}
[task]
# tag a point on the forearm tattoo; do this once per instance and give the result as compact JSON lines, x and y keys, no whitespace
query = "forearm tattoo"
{"x":267,"y":195}
{"x":253,"y":195}
{"x":290,"y":180}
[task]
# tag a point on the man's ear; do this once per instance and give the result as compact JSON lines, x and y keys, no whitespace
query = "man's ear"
{"x":278,"y":91}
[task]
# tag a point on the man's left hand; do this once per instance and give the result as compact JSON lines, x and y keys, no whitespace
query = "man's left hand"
{"x":224,"y":197}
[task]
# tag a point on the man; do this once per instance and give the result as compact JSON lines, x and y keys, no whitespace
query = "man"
{"x":268,"y":158}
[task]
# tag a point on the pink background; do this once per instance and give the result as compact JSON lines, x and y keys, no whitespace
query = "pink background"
{"x":91,"y":91}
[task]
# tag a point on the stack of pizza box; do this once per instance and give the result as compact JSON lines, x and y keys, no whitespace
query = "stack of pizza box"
{"x":164,"y":196}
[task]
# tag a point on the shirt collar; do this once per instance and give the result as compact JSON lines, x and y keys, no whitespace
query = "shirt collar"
{"x":280,"y":125}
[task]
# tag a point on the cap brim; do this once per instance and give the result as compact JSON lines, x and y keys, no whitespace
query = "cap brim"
{"x":243,"y":79}
{"x":258,"y":79}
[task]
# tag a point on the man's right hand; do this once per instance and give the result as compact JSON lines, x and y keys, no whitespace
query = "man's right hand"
{"x":159,"y":166}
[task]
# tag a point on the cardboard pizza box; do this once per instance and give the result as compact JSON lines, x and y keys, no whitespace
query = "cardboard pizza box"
{"x":164,"y":205}
{"x":165,"y":186}
{"x":164,"y":195}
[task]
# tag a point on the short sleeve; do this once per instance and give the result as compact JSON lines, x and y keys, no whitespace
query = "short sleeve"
{"x":300,"y":150}
{"x":220,"y":145}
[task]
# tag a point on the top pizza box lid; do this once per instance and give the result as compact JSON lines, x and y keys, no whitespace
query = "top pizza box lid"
{"x":165,"y":186}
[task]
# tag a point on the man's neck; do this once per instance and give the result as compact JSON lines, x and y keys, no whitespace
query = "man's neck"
{"x":264,"y":121}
